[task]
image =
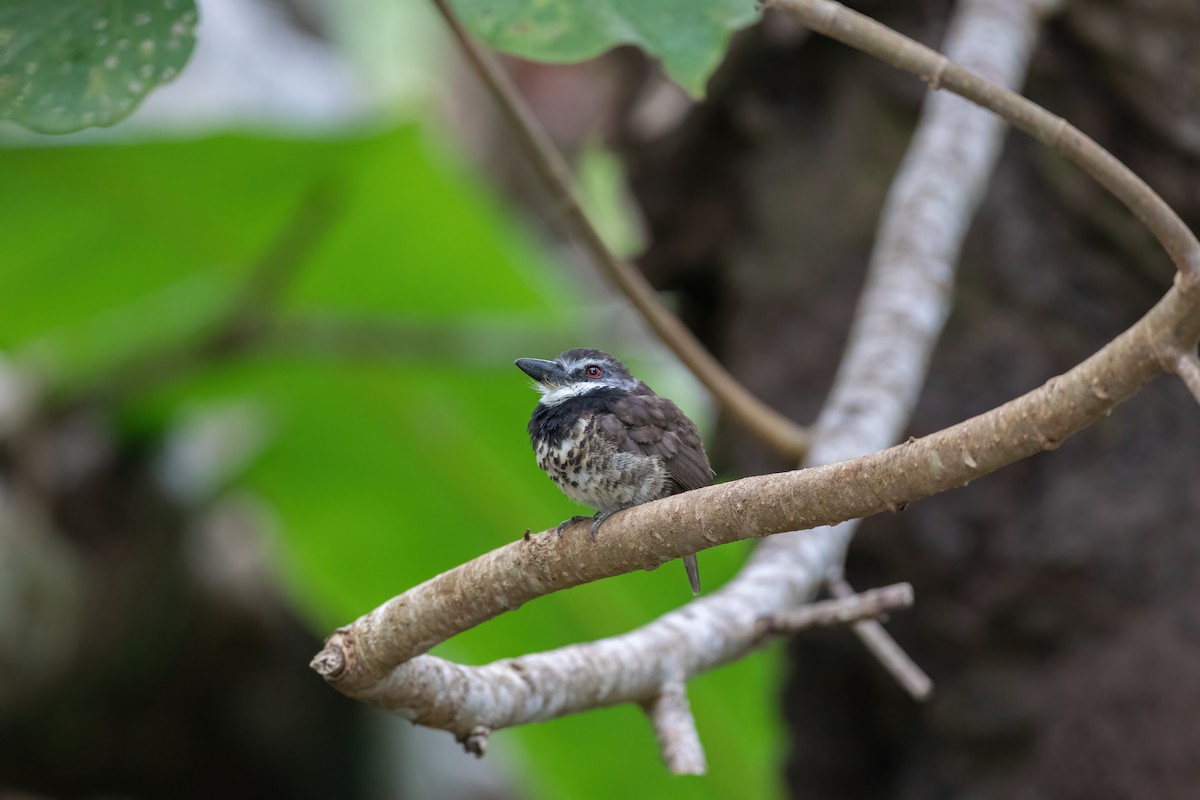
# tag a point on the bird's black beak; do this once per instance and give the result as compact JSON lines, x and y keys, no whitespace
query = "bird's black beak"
{"x":547,"y":373}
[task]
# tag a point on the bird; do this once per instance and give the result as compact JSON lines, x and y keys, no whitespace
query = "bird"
{"x":608,"y":441}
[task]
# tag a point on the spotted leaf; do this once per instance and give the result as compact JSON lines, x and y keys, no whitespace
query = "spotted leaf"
{"x":72,"y":64}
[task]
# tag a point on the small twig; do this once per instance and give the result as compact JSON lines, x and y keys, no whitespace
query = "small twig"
{"x":476,"y":741}
{"x":744,"y":408}
{"x":885,"y":648}
{"x":854,"y":608}
{"x":675,"y":730}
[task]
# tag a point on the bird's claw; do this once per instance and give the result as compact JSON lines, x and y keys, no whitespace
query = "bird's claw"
{"x":568,"y":522}
{"x":597,"y":521}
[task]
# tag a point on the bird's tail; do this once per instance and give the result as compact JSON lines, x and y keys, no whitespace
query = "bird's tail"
{"x":693,"y":573}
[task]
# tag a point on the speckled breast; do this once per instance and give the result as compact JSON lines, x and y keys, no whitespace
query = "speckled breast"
{"x":588,"y":468}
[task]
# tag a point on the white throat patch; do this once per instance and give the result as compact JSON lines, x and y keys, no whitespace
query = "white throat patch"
{"x":559,"y":394}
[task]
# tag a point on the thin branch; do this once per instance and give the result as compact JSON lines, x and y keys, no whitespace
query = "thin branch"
{"x":379,"y":658}
{"x":910,"y":281}
{"x":851,"y":608}
{"x":675,"y":730}
{"x":885,"y":649}
{"x":838,"y":22}
{"x":375,"y":658}
{"x":743,"y":408}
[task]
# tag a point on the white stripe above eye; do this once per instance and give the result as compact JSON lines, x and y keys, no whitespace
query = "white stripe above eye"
{"x":552,"y":397}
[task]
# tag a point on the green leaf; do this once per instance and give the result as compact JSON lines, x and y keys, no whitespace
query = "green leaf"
{"x":72,"y":64}
{"x":113,"y":251}
{"x":380,"y":474}
{"x":689,"y":36}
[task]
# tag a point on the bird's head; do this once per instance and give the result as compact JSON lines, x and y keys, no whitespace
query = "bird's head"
{"x":575,"y":373}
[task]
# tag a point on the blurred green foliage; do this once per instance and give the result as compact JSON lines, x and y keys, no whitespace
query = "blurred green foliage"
{"x":383,"y":472}
{"x":688,"y":36}
{"x":72,"y":64}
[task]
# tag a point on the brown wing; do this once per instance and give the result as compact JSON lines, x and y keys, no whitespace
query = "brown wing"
{"x":645,"y":423}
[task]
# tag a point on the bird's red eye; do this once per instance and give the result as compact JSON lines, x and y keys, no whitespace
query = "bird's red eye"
{"x":592,"y":371}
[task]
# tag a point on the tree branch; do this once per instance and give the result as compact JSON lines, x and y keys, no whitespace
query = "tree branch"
{"x":885,"y":649}
{"x":847,"y":608}
{"x":380,"y":658}
{"x":743,"y":408}
{"x":675,"y":730}
{"x":838,"y":22}
{"x":376,"y":657}
{"x":910,"y":280}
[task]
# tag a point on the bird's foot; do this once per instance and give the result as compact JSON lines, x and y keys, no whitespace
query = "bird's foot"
{"x":568,"y":522}
{"x":597,"y":521}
